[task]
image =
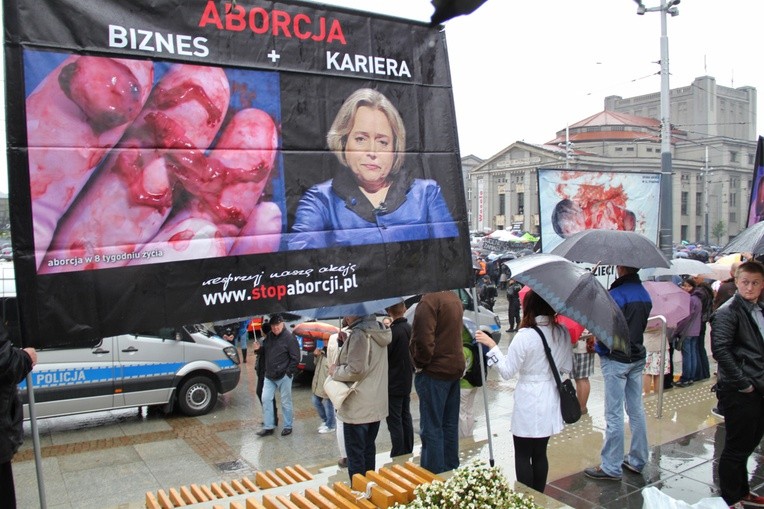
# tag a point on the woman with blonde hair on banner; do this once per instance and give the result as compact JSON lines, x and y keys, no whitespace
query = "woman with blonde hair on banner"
{"x":372,"y":198}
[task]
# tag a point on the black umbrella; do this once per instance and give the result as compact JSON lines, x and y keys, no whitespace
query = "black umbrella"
{"x":447,"y":9}
{"x":611,"y":247}
{"x":574,"y":292}
{"x":750,"y":240}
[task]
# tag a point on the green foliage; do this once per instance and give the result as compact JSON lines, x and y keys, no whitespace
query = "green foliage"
{"x":718,"y":230}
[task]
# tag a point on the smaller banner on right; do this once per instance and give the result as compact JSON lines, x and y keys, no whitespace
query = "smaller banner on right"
{"x":756,"y":205}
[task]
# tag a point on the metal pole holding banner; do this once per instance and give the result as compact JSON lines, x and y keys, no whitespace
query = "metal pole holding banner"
{"x":482,"y":376}
{"x":36,"y":443}
{"x":662,"y":368}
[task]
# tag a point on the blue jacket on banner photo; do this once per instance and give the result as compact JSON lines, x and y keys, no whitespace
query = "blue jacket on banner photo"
{"x":337,"y":213}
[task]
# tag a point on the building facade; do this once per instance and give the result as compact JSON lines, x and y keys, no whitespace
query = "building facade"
{"x":713,"y":150}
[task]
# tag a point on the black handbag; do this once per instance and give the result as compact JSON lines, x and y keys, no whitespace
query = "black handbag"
{"x":569,"y":405}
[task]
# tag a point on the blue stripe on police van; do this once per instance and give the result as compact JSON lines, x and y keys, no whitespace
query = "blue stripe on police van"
{"x":153,"y":369}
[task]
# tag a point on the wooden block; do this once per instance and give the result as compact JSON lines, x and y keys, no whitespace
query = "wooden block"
{"x":297,"y":475}
{"x":235,"y":505}
{"x":218,"y":491}
{"x":380,"y":497}
{"x":408,"y":474}
{"x":218,"y":507}
{"x":302,"y":502}
{"x":338,"y":500}
{"x":164,"y":500}
{"x":264,"y":481}
{"x":345,"y":492}
{"x":273,"y":477}
{"x":228,"y":489}
{"x":422,"y":472}
{"x":248,"y":484}
{"x":198,"y":494}
{"x":207,"y":492}
{"x":303,"y":471}
{"x":269,"y":501}
{"x":188,"y":497}
{"x":286,"y":502}
{"x":151,"y":501}
{"x":284,"y":476}
{"x":399,"y":480}
{"x":238,"y":487}
{"x":253,"y":503}
{"x":321,"y":501}
{"x":398,"y":493}
{"x":175,"y":498}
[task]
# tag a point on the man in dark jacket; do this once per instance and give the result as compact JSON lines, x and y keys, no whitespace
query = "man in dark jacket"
{"x":15,"y":364}
{"x":622,"y":373}
{"x":282,"y":353}
{"x":737,"y":343}
{"x":436,"y":349}
{"x":399,"y":379}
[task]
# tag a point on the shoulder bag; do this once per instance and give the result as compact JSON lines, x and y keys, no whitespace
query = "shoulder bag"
{"x":339,"y":391}
{"x":569,"y":405}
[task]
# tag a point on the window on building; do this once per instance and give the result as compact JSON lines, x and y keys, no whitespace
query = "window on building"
{"x":684,"y":232}
{"x":733,"y":156}
{"x":698,"y":204}
{"x":629,"y":149}
{"x":733,"y":200}
{"x":619,"y":149}
{"x":751,"y":159}
{"x":733,"y":217}
{"x":684,"y":206}
{"x":521,"y":203}
{"x":698,"y":233}
{"x":502,"y":204}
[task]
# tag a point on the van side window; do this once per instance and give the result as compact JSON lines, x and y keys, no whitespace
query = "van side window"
{"x":161,"y":333}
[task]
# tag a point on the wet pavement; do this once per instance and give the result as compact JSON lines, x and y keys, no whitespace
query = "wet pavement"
{"x":111,"y":459}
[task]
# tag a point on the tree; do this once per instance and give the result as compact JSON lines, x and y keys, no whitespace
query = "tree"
{"x":718,"y":230}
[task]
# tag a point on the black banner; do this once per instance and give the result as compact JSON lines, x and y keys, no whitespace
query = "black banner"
{"x":175,"y":162}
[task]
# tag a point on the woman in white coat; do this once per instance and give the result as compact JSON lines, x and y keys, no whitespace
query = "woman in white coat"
{"x":536,"y":415}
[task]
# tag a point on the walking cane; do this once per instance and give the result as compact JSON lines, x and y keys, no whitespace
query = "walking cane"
{"x":482,"y":376}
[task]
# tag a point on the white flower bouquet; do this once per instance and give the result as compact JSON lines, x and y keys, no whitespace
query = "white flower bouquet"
{"x":473,"y":486}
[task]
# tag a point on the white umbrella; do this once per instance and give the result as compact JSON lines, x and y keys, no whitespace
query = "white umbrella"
{"x":679,"y":266}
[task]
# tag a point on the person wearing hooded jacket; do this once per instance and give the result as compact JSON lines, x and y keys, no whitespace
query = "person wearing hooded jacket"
{"x":15,"y":364}
{"x":363,"y":359}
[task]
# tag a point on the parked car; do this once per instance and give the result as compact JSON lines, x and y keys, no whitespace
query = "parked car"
{"x":174,"y":367}
{"x":6,"y":253}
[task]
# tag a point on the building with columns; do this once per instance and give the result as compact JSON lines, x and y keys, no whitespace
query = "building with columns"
{"x":713,"y":148}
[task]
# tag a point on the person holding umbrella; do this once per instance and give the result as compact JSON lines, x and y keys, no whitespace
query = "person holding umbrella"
{"x":536,"y":416}
{"x":622,"y":372}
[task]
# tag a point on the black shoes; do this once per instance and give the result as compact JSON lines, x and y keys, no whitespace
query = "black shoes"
{"x":264,"y":432}
{"x":685,"y":383}
{"x":598,"y":473}
{"x":285,"y":432}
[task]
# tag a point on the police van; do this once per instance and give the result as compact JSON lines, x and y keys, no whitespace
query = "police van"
{"x":174,"y":367}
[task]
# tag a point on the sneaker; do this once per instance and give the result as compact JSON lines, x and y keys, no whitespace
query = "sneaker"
{"x":285,"y":432}
{"x":752,"y":500}
{"x":630,"y":467}
{"x":598,"y":473}
{"x":325,"y":430}
{"x":717,"y":413}
{"x":264,"y":432}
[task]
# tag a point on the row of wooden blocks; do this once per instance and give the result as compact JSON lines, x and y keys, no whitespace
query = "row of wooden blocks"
{"x":374,"y":490}
{"x":194,"y":494}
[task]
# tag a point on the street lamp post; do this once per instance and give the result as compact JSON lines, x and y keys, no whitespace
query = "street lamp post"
{"x":705,"y":195}
{"x":667,"y":210}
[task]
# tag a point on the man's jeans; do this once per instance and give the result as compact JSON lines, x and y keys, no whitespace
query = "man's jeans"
{"x":360,"y":446}
{"x":325,"y":411}
{"x":689,"y":359}
{"x":438,"y":422}
{"x":623,"y":384}
{"x":284,"y":386}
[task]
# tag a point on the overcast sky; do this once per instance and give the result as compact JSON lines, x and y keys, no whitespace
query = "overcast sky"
{"x":522,"y":70}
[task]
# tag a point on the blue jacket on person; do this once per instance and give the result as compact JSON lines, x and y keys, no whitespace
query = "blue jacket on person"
{"x":629,"y":294}
{"x":337,"y":213}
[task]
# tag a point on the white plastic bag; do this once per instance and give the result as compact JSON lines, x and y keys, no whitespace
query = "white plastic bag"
{"x":654,"y":499}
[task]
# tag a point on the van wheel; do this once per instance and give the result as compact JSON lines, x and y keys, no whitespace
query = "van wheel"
{"x":197,"y":396}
